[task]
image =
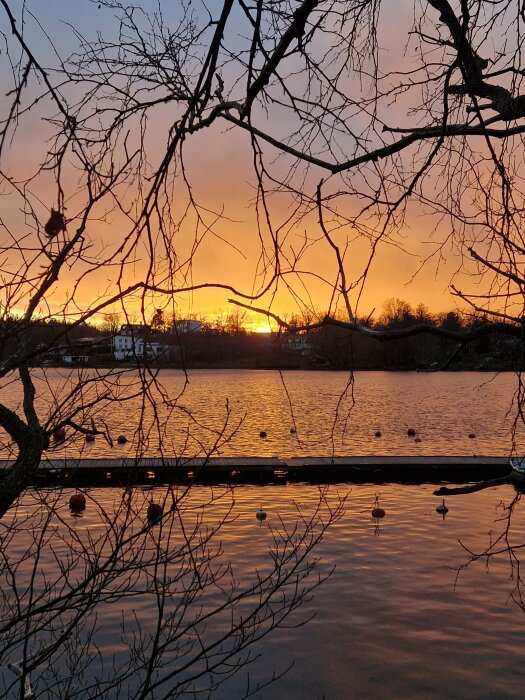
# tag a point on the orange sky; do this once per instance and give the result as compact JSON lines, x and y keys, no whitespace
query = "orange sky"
{"x":219,"y":166}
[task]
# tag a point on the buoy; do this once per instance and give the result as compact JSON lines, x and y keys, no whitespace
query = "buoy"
{"x":90,"y":438}
{"x":292,"y":431}
{"x":377,"y":433}
{"x":77,"y":502}
{"x":417,"y":439}
{"x":59,"y":435}
{"x":442,"y":508}
{"x":261,"y":514}
{"x":411,"y":432}
{"x":122,"y":439}
{"x":263,"y":433}
{"x":154,"y":511}
{"x":471,"y":435}
{"x":378,"y":512}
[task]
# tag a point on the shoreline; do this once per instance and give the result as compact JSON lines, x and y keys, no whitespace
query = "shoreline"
{"x":192,"y":367}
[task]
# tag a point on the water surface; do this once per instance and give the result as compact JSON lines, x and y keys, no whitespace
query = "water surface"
{"x":403,"y":615}
{"x":222,"y":412}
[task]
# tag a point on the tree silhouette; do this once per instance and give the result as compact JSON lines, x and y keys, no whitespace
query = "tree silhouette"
{"x":108,"y":150}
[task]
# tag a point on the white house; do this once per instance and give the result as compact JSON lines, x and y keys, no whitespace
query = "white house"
{"x":130,"y":344}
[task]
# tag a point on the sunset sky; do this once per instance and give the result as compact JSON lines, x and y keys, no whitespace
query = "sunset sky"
{"x":218,"y":164}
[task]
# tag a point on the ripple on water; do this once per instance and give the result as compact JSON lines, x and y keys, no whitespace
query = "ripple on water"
{"x":400,"y":617}
{"x":443,"y":407}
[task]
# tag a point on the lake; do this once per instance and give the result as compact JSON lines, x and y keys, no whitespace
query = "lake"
{"x":409,"y":610}
{"x":403,"y":615}
{"x":222,"y":412}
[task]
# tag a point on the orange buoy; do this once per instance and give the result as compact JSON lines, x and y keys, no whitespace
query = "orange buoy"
{"x":90,"y":438}
{"x":263,"y":433}
{"x":417,"y":439}
{"x":77,"y":502}
{"x":122,"y":439}
{"x":154,"y":512}
{"x":378,"y":512}
{"x":411,"y":432}
{"x":377,"y":433}
{"x":471,"y":435}
{"x":59,"y":435}
{"x":292,"y":431}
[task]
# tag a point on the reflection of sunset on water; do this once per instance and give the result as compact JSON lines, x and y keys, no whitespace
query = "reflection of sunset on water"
{"x":297,"y":411}
{"x":394,"y":607}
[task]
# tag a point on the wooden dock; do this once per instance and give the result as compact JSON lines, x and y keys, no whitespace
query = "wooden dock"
{"x":326,"y":469}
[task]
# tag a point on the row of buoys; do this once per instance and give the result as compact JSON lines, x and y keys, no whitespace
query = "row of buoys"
{"x":411,"y":432}
{"x":59,"y":435}
{"x":378,"y":512}
{"x":264,"y":434}
{"x":77,"y":503}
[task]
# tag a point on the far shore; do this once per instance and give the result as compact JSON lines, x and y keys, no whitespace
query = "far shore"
{"x":490,"y":365}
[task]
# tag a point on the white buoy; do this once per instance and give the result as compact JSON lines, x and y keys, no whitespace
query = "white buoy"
{"x":442,"y":508}
{"x":261,"y":514}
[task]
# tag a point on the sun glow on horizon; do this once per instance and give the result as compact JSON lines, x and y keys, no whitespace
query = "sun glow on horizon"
{"x":263,"y":328}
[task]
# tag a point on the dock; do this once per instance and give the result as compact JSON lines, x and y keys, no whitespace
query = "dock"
{"x":215,"y":470}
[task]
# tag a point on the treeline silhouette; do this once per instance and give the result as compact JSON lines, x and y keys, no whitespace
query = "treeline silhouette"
{"x":227,"y":341}
{"x":422,"y":351}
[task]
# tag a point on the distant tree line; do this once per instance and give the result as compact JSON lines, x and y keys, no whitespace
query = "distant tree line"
{"x":226,"y":340}
{"x":343,"y":348}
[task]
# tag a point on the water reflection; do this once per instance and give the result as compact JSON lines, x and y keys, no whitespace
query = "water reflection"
{"x":396,"y":621}
{"x":301,"y":413}
{"x":418,"y":611}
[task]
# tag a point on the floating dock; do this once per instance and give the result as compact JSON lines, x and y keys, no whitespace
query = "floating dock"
{"x":214,"y":470}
